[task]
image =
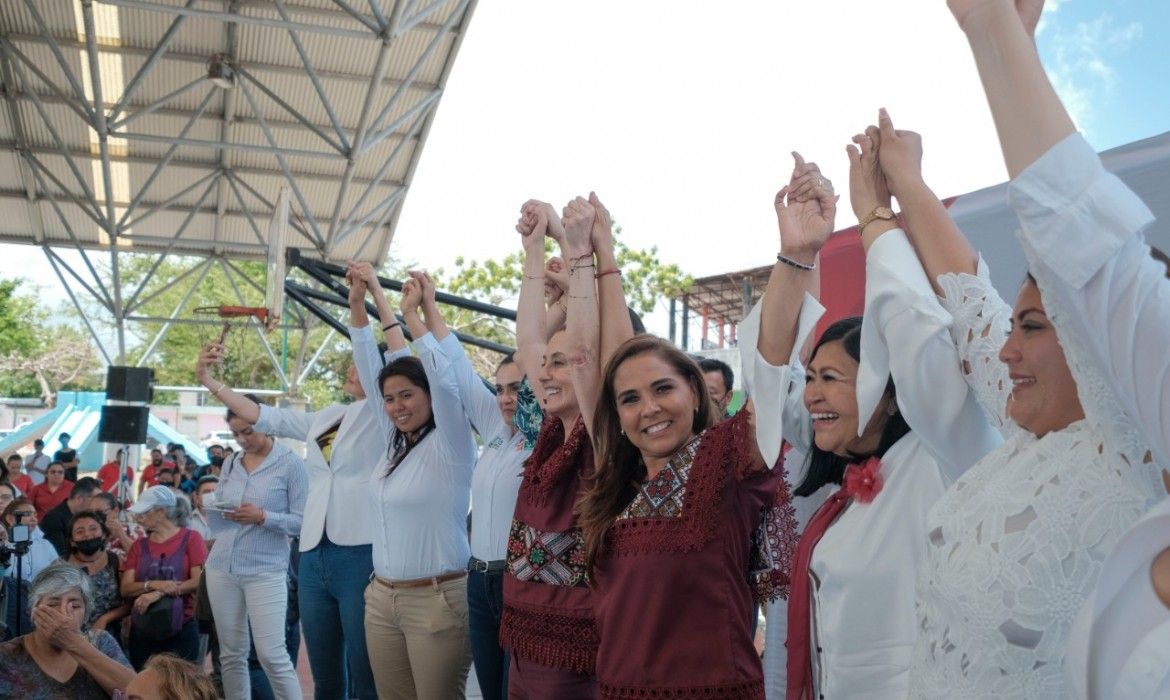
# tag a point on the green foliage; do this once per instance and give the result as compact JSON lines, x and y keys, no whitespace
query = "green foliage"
{"x":37,"y":357}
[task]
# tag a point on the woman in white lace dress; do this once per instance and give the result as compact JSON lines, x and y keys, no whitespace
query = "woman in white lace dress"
{"x":1082,"y":231}
{"x":1017,"y":543}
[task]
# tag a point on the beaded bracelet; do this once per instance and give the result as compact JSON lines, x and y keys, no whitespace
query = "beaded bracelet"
{"x":792,"y":263}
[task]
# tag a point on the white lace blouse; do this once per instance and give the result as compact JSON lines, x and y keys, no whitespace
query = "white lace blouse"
{"x":1017,"y":543}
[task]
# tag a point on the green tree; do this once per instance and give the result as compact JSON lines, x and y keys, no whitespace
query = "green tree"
{"x":38,"y":358}
{"x":647,"y":281}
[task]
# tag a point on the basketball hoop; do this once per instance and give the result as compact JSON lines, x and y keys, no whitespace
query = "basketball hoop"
{"x":258,"y":312}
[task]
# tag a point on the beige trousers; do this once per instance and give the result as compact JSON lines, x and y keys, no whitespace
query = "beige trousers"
{"x":417,"y":640}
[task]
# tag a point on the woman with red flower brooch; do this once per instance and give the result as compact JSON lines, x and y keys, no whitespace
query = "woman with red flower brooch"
{"x":851,"y":619}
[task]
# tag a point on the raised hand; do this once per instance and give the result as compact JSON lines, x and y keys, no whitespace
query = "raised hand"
{"x":62,"y":630}
{"x":577,"y":219}
{"x":426,"y":284}
{"x":867,"y":184}
{"x":556,"y":280}
{"x":357,"y":285}
{"x":532,"y":226}
{"x":411,"y":297}
{"x":900,"y":155}
{"x":601,"y":236}
{"x":212,"y":354}
{"x":1029,"y":11}
{"x":805,"y":219}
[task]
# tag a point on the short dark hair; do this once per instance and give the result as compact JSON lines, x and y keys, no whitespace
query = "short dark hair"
{"x":109,"y":499}
{"x":14,"y":457}
{"x":38,"y":443}
{"x":710,"y":364}
{"x":85,"y":487}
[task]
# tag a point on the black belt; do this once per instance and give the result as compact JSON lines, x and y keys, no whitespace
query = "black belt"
{"x":480,"y":566}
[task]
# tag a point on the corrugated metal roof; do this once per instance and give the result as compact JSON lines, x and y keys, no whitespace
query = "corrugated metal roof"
{"x":313,"y":131}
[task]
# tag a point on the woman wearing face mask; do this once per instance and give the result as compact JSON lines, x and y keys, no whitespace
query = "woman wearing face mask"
{"x":416,"y":616}
{"x":995,"y":610}
{"x":87,"y":551}
{"x":851,"y":621}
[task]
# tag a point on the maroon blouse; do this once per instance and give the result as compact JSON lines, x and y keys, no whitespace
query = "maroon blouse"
{"x":548,"y":606}
{"x":674,"y":586}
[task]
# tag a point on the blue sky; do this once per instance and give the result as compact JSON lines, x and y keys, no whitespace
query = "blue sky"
{"x":1111,"y":63}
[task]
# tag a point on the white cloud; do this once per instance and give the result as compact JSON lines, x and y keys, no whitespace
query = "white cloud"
{"x":1080,"y":63}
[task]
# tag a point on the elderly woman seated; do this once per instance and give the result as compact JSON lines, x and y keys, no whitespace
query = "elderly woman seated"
{"x":57,"y":661}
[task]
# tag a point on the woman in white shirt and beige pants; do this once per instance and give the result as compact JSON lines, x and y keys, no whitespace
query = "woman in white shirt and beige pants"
{"x":416,"y":605}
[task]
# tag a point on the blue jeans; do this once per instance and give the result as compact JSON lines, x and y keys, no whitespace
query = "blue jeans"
{"x":485,"y":604}
{"x":333,"y":580}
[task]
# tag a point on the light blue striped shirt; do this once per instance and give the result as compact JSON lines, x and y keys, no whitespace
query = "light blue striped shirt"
{"x":279,"y":486}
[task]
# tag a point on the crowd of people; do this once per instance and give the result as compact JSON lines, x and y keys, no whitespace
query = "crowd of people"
{"x":950,"y":495}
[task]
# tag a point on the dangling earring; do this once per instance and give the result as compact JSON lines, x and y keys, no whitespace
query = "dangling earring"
{"x":623,"y":431}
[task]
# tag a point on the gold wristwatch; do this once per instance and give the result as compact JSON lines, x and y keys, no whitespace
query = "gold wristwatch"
{"x":884,"y":213}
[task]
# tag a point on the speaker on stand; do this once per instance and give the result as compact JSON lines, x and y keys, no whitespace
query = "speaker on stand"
{"x":126,"y":415}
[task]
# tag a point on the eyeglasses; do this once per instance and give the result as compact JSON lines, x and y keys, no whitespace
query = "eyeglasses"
{"x":25,"y":513}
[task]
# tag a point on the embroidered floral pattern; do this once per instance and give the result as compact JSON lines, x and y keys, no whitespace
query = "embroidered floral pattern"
{"x":773,"y":546}
{"x":555,"y":558}
{"x":663,"y":496}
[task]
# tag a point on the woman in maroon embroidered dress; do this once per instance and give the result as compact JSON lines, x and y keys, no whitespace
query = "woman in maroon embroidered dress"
{"x":547,"y":624}
{"x":671,"y":521}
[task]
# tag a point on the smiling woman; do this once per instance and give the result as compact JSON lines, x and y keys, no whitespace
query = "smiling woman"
{"x":416,"y":618}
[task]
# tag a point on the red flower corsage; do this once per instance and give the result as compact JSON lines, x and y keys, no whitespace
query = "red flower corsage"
{"x":862,"y":481}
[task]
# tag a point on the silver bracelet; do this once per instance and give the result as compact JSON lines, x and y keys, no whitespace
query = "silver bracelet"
{"x":792,"y":263}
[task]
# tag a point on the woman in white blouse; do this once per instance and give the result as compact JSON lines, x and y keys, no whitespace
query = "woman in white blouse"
{"x":343,"y":447}
{"x":416,"y":604}
{"x":1082,"y":231}
{"x":1017,"y":543}
{"x":494,"y":484}
{"x":858,"y":635}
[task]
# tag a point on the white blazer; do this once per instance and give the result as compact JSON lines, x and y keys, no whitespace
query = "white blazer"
{"x":339,"y":487}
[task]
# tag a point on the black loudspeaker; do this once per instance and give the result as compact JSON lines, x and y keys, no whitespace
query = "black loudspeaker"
{"x":130,"y":384}
{"x":124,"y":425}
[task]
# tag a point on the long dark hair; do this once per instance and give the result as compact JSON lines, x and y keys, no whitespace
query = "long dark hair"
{"x":618,"y":466}
{"x":827,"y":467}
{"x":411,"y":369}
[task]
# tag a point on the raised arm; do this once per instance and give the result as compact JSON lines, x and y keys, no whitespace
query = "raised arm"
{"x":616,"y":325}
{"x":1029,"y":117}
{"x":805,"y":224}
{"x":213,"y":354}
{"x":584,"y":324}
{"x":531,"y":337}
{"x":1081,"y":227}
{"x":906,"y":334}
{"x":366,"y":357}
{"x":556,"y":289}
{"x":432,"y":317}
{"x":941,"y":246}
{"x":786,"y":316}
{"x":391,"y":327}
